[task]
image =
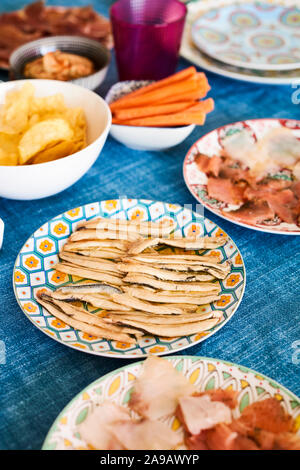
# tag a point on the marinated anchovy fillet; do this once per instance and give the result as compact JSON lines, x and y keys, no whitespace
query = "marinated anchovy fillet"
{"x":88,"y":273}
{"x":80,"y":314}
{"x":179,"y":297}
{"x":96,"y":301}
{"x":170,"y":285}
{"x":90,"y":262}
{"x":88,"y":289}
{"x":164,"y":274}
{"x":94,"y":234}
{"x":175,"y":330}
{"x":96,"y":245}
{"x":186,"y":243}
{"x":165,"y":227}
{"x":137,"y":304}
{"x":161,"y":258}
{"x":85,"y":327}
{"x":165,"y":319}
{"x":108,"y":253}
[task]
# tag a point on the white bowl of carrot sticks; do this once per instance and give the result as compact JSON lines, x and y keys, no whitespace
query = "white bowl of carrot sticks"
{"x":159,"y":115}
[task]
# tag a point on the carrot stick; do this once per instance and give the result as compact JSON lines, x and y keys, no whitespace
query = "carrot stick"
{"x":166,"y":120}
{"x":192,"y":112}
{"x":145,"y":111}
{"x":200,"y":92}
{"x":191,"y":84}
{"x":205,"y":106}
{"x":176,"y":77}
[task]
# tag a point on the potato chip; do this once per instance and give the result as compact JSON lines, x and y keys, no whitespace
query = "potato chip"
{"x":59,"y":150}
{"x":41,"y":135}
{"x":8,"y":160}
{"x":48,"y":104}
{"x":38,"y":129}
{"x":76,"y":118}
{"x":9,"y":153}
{"x":14,"y":113}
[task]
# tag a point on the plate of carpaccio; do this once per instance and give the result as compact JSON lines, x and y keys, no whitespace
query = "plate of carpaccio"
{"x":181,"y":402}
{"x":248,"y":172}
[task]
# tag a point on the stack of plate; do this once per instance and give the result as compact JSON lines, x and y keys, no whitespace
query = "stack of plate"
{"x":244,"y":39}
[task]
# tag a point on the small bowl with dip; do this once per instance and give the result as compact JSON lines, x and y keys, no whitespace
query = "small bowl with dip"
{"x":75,"y":59}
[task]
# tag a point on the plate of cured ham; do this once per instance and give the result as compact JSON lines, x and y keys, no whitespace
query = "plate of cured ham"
{"x":181,"y":402}
{"x":248,"y":172}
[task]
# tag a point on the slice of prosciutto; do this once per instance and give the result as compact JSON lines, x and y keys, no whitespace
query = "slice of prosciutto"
{"x":208,"y":165}
{"x":268,"y":415}
{"x":225,"y":190}
{"x":95,"y":430}
{"x":228,"y":397}
{"x":252,"y":213}
{"x":146,"y":435}
{"x":198,"y":413}
{"x":284,"y":204}
{"x":158,"y":389}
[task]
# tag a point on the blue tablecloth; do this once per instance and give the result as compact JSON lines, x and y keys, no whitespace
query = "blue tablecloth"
{"x":41,"y":376}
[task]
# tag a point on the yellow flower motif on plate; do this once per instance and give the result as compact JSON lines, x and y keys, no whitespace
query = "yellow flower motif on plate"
{"x":58,"y":323}
{"x":224,"y":300}
{"x":111,"y":205}
{"x":88,"y":337}
{"x":60,"y":229}
{"x":137,"y":215}
{"x":19,"y":277}
{"x":238,"y":259}
{"x":232,"y":280}
{"x":29,"y":307}
{"x":79,"y":345}
{"x":220,"y":233}
{"x":120,"y":345}
{"x":74,"y":212}
{"x":157,"y":349}
{"x":215,"y":254}
{"x":200,"y":335}
{"x":32,"y":262}
{"x":58,"y":277}
{"x":172,"y":206}
{"x":46,"y":245}
{"x":194,"y":230}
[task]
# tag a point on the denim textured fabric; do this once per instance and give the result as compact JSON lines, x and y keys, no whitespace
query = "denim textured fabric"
{"x":40,"y":376}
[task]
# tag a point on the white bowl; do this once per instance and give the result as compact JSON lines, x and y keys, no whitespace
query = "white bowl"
{"x":86,"y":47}
{"x":45,"y":179}
{"x":144,"y":138}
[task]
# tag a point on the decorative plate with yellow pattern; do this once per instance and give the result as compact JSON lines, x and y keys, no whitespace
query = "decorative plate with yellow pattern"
{"x":205,"y":373}
{"x":34,"y":271}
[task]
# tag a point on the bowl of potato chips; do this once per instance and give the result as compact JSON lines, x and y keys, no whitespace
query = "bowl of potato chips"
{"x":51,"y":133}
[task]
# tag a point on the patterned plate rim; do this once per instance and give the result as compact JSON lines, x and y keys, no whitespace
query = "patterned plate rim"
{"x":216,"y":211}
{"x":237,"y":63}
{"x":168,"y":358}
{"x":131,"y":355}
{"x":189,"y":52}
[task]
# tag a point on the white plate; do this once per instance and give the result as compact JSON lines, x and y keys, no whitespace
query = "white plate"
{"x":190,"y":52}
{"x":210,"y":144}
{"x":256,"y":35}
{"x":204,"y":373}
{"x":34,"y":270}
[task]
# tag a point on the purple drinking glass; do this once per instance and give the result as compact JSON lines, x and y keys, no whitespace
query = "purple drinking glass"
{"x":147,"y":36}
